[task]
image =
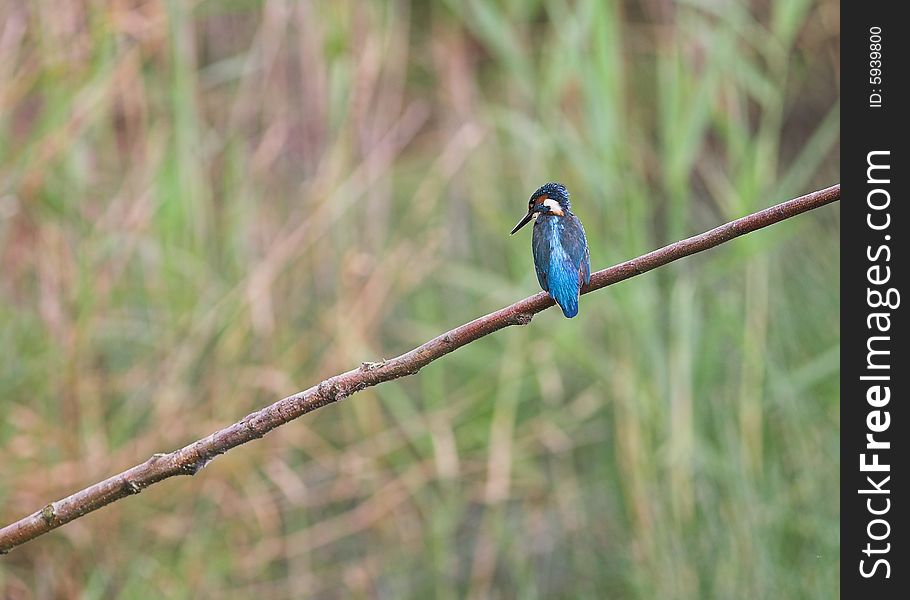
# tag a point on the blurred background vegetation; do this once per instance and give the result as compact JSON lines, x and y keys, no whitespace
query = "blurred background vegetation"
{"x":207,"y":206}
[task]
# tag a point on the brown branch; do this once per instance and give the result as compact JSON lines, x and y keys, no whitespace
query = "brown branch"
{"x":189,"y":459}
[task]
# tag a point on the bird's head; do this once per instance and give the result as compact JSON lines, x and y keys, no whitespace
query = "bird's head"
{"x":549,"y":199}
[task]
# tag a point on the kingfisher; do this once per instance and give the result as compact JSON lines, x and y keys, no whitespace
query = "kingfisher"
{"x":560,"y":248}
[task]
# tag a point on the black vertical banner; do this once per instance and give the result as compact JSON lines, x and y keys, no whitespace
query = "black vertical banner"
{"x":874,"y":382}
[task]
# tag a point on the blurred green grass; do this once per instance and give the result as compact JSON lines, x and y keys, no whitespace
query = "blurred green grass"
{"x":205,"y":207}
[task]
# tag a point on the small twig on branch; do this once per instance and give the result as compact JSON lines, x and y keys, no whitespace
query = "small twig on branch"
{"x":189,"y":459}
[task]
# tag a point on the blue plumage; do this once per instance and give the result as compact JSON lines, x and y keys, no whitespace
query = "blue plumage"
{"x":560,"y":249}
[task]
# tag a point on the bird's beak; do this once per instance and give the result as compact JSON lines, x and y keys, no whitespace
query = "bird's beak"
{"x":523,"y":222}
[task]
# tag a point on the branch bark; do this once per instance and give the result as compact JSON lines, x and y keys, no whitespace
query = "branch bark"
{"x":189,"y":459}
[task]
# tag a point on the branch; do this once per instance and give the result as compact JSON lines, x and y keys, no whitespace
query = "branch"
{"x":189,"y":459}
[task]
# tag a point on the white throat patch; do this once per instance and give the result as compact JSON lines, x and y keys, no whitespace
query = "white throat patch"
{"x":554,"y":207}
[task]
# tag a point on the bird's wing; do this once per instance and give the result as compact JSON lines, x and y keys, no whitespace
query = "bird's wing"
{"x":561,"y":259}
{"x":540,"y":246}
{"x":568,"y":263}
{"x":576,"y":245}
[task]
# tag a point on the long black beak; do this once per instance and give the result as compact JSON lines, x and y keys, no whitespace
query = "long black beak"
{"x":523,"y":222}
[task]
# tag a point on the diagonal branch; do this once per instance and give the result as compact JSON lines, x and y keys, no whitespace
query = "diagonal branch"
{"x":189,"y":459}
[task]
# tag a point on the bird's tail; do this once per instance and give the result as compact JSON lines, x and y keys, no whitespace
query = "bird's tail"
{"x":565,"y":291}
{"x":569,"y":307}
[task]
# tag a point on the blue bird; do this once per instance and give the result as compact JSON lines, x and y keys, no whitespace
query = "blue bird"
{"x":559,"y":245}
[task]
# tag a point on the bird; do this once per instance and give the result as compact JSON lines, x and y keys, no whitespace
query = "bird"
{"x":559,"y":246}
